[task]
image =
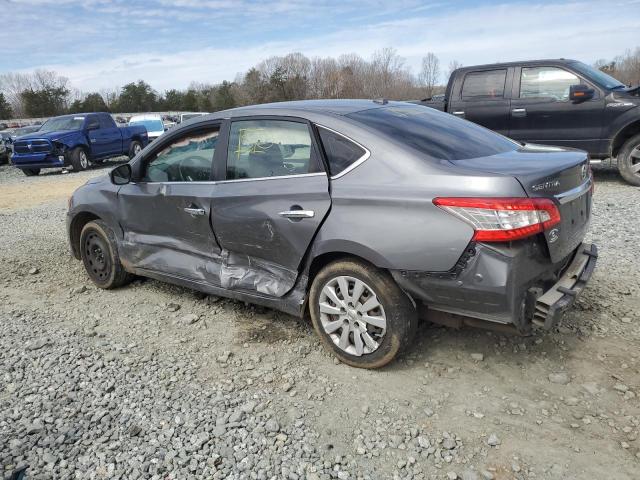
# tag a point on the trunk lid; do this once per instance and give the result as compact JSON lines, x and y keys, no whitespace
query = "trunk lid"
{"x":549,"y":172}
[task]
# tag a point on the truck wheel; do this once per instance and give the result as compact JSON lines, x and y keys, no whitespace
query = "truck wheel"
{"x":31,"y":172}
{"x":361,"y":314}
{"x":79,"y":159}
{"x":134,"y":149}
{"x":99,"y":252}
{"x":629,"y":161}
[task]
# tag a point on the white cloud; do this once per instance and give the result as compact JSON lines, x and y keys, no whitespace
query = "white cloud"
{"x":583,"y":30}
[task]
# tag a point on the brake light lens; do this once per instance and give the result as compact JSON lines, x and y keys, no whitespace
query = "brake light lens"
{"x":503,"y":219}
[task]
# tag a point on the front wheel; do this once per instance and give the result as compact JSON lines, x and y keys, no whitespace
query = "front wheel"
{"x":99,"y":253}
{"x":361,"y":314}
{"x":629,"y":161}
{"x":79,"y":159}
{"x":31,"y":172}
{"x":134,"y":149}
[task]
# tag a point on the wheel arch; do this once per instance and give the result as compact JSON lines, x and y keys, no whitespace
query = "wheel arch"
{"x":624,"y":134}
{"x":333,"y":250}
{"x":75,"y":229}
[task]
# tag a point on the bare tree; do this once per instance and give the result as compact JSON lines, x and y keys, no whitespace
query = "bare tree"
{"x":453,"y":65}
{"x":429,"y":75}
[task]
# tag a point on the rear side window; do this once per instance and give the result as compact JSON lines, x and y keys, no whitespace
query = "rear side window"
{"x":488,"y":84}
{"x":341,"y":152}
{"x":269,"y":148}
{"x":436,"y":134}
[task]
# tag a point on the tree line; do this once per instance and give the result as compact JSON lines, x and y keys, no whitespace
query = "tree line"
{"x":278,"y":78}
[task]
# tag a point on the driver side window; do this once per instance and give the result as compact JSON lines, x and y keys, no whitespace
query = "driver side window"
{"x":187,"y":159}
{"x":550,"y":82}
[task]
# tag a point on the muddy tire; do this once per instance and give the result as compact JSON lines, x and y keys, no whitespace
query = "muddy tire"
{"x":79,"y":159}
{"x":360,"y":314}
{"x":629,"y":161}
{"x":134,"y":149}
{"x":31,"y":172}
{"x":99,"y":253}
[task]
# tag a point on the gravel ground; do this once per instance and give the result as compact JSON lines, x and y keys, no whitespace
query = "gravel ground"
{"x":155,"y":381}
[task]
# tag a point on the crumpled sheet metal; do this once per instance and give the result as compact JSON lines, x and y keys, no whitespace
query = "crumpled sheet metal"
{"x":229,"y":270}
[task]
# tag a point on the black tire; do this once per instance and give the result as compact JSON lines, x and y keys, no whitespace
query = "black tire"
{"x":31,"y":172}
{"x":401,"y":316}
{"x":79,"y":159}
{"x":99,"y":253}
{"x":629,"y":161}
{"x":134,"y":149}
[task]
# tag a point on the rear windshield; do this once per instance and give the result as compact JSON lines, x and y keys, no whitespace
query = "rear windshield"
{"x":150,"y":125}
{"x":434,"y":133}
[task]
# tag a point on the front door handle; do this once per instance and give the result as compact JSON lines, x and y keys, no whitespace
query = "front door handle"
{"x":519,"y":112}
{"x":297,"y":214}
{"x":194,"y":211}
{"x":459,"y":113}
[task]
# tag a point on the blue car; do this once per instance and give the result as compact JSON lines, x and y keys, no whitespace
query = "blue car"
{"x":76,"y":141}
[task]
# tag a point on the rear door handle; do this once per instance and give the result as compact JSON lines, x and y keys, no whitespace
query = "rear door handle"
{"x":195,"y":212}
{"x":297,"y":214}
{"x":519,"y":112}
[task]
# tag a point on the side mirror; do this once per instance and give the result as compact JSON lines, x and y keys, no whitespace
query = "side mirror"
{"x":93,"y":126}
{"x":580,"y":93}
{"x":121,"y":175}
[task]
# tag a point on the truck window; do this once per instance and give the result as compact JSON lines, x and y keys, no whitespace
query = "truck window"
{"x":486,"y":84}
{"x":106,"y":121}
{"x":546,"y":82}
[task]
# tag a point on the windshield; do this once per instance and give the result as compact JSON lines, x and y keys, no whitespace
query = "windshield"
{"x":601,"y":78}
{"x":150,"y":125}
{"x":62,"y":123}
{"x":434,"y":133}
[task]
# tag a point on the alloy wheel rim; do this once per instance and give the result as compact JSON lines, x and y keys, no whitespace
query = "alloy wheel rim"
{"x":352,"y":315}
{"x":136,"y":149}
{"x":634,"y":160}
{"x":83,"y":160}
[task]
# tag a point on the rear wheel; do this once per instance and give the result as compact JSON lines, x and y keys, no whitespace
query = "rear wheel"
{"x":629,"y":160}
{"x":79,"y":159}
{"x":99,"y":253}
{"x":31,"y":172}
{"x":361,"y":314}
{"x":135,"y":149}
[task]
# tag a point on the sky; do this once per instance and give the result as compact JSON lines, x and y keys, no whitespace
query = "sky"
{"x":104,"y":44}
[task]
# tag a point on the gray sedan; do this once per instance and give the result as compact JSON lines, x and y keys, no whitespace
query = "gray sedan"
{"x":364,"y":214}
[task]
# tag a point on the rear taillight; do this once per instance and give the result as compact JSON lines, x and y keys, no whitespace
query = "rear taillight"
{"x":502,"y":219}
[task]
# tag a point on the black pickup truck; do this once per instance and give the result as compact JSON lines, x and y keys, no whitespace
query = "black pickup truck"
{"x":561,"y":102}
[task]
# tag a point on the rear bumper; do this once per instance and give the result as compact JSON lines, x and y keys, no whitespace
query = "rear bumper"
{"x":509,"y":284}
{"x":551,"y":305}
{"x":37,"y":160}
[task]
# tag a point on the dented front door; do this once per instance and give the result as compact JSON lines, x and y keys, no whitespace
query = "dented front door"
{"x":267,"y":211}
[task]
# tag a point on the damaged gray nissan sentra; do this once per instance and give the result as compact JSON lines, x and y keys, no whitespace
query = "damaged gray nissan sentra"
{"x":365,"y":214}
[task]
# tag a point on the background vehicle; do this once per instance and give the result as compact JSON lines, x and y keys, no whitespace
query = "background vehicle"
{"x":18,"y":132}
{"x":5,"y":146}
{"x":553,"y":102}
{"x":76,"y":140}
{"x":333,"y":205}
{"x":188,"y":116}
{"x":153,"y":123}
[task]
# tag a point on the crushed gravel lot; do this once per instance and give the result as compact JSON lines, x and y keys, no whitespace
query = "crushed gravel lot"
{"x":155,"y":381}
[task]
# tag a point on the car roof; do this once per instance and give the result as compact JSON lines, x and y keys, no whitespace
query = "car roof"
{"x":548,"y":61}
{"x":337,"y":107}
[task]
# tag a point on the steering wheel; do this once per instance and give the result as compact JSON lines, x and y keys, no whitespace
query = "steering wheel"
{"x":196,"y":161}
